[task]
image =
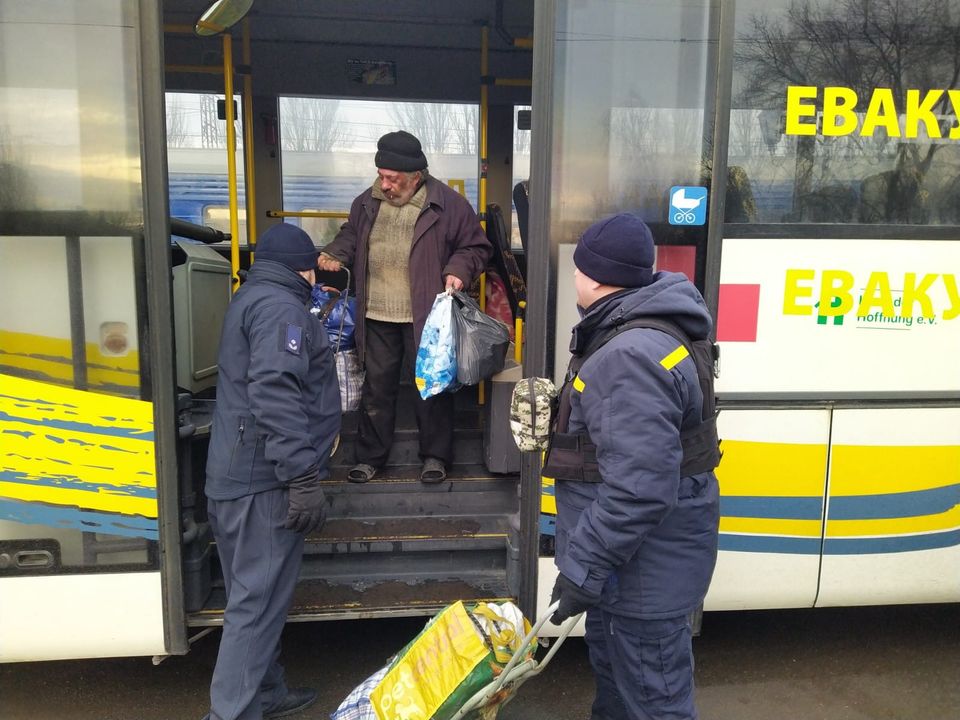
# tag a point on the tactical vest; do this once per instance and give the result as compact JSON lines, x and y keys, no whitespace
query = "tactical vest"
{"x":572,"y":456}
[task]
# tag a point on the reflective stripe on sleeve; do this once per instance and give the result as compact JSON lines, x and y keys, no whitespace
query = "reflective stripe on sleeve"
{"x":673,"y":358}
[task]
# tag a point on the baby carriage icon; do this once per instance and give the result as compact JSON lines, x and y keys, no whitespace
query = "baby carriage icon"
{"x":683,"y":207}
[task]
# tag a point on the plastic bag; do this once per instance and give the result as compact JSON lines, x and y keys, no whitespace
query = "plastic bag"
{"x":482,"y":342}
{"x":436,"y":367}
{"x":350,"y":375}
{"x":338,"y":314}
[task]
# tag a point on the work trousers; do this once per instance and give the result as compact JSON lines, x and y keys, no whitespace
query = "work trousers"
{"x":261,"y":561}
{"x":386,"y":345}
{"x":644,"y":668}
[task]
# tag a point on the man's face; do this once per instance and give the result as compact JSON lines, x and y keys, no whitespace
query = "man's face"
{"x":398,"y":186}
{"x":585,"y":288}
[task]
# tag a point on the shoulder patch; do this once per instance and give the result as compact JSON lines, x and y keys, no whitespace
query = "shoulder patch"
{"x":293,"y":339}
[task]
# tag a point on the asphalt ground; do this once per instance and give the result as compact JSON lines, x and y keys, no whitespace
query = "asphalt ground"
{"x":874,"y":663}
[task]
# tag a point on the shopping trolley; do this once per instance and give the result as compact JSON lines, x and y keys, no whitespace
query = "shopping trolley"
{"x":486,"y":702}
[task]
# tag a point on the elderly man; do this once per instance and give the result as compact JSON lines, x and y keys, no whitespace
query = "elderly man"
{"x":408,"y":238}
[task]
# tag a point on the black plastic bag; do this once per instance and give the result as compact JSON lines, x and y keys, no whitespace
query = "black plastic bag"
{"x":482,"y":342}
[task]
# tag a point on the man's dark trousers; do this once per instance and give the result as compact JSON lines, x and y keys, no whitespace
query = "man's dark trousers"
{"x":386,"y":345}
{"x":644,"y":668}
{"x":261,"y":561}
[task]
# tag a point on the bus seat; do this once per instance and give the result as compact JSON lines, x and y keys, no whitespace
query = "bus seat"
{"x":521,"y":201}
{"x":503,"y":260}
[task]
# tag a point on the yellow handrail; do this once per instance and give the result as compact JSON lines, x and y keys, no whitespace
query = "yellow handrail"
{"x":231,"y":159}
{"x":308,"y":214}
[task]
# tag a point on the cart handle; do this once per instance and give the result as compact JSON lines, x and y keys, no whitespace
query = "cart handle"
{"x":565,"y":629}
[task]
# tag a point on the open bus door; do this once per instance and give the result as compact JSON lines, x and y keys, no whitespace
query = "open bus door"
{"x":87,"y":565}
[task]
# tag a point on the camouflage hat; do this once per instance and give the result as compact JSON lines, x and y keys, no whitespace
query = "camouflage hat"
{"x":531,"y":410}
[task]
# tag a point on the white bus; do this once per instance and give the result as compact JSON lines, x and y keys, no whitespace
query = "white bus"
{"x":820,"y":223}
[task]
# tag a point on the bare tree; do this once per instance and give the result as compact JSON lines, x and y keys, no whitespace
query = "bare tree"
{"x":177,"y":129}
{"x":310,"y":124}
{"x":432,"y":123}
{"x":862,"y":45}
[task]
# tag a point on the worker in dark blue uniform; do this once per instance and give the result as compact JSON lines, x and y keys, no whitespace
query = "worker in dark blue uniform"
{"x":636,"y":548}
{"x":276,"y":421}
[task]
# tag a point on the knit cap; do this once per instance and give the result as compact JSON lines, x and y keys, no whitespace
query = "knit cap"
{"x":400,"y":151}
{"x":617,"y":251}
{"x":287,"y":244}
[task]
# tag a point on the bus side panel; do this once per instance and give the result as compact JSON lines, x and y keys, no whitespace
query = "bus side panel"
{"x":893,"y":519}
{"x":772,"y":479}
{"x":121,"y":614}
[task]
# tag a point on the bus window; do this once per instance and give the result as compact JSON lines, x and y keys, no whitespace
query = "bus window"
{"x":197,"y":161}
{"x":328,"y":145}
{"x":866,"y":140}
{"x":521,"y":177}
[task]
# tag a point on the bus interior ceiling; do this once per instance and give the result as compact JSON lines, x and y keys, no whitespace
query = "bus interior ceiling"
{"x":393,"y":545}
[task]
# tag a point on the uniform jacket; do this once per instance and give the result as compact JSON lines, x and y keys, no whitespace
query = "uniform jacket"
{"x":447,"y":240}
{"x":278,"y":402}
{"x":644,"y":538}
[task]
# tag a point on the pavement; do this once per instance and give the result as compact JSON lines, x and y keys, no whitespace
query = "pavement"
{"x":874,"y":663}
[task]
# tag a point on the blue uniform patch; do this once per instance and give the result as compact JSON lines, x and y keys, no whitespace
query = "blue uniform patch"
{"x":294,"y":339}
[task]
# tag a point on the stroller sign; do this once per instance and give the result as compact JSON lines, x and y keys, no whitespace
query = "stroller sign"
{"x":688,"y":205}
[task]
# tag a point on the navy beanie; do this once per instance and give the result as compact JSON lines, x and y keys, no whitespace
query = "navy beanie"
{"x":287,"y":244}
{"x":616,"y":251}
{"x":400,"y":151}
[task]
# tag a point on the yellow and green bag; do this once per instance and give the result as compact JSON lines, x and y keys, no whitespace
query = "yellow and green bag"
{"x":453,"y":657}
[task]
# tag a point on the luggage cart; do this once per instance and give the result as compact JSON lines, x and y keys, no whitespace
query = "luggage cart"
{"x":486,"y":702}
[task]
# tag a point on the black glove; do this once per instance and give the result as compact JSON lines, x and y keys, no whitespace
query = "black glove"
{"x":307,"y":505}
{"x":573,"y":599}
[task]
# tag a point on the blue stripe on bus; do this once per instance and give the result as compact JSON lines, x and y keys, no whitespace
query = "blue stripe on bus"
{"x":769,"y":544}
{"x":72,"y":482}
{"x":895,"y":544}
{"x":784,"y":508}
{"x":895,"y":505}
{"x":33,"y":513}
{"x":112,"y":430}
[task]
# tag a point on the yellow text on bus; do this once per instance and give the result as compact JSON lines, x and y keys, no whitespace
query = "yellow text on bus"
{"x":838,"y":291}
{"x":840,"y":117}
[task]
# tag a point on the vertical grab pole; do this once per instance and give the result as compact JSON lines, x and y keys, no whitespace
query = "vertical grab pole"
{"x":484,"y":71}
{"x":231,"y":159}
{"x":248,"y":138}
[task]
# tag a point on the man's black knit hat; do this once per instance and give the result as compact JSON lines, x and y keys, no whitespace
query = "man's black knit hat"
{"x":400,"y":151}
{"x":616,"y":251}
{"x":287,"y":244}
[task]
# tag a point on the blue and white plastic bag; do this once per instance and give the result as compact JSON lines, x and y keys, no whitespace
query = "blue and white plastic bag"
{"x":436,"y":368}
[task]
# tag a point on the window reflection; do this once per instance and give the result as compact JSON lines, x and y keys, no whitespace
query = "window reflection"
{"x":871,"y":174}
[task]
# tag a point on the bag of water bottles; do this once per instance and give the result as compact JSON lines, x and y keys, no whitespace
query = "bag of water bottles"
{"x":436,"y":367}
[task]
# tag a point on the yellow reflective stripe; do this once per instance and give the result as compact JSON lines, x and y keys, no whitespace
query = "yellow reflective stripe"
{"x":673,"y":358}
{"x":578,"y":384}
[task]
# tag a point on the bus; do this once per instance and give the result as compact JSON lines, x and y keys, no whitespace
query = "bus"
{"x":803,"y":180}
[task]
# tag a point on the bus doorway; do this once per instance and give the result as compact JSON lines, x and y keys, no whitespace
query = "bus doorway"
{"x":315,"y":89}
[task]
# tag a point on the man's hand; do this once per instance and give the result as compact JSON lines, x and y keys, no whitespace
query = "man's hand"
{"x":307,"y":505}
{"x":573,"y":599}
{"x":452,"y":282}
{"x":328,"y":263}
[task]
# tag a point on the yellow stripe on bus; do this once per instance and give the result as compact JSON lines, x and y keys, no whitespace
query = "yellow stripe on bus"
{"x":949,"y":520}
{"x":548,"y":504}
{"x":771,"y":526}
{"x":673,"y":358}
{"x":100,"y":501}
{"x":772,"y":469}
{"x":873,"y":470}
{"x":51,"y":357}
